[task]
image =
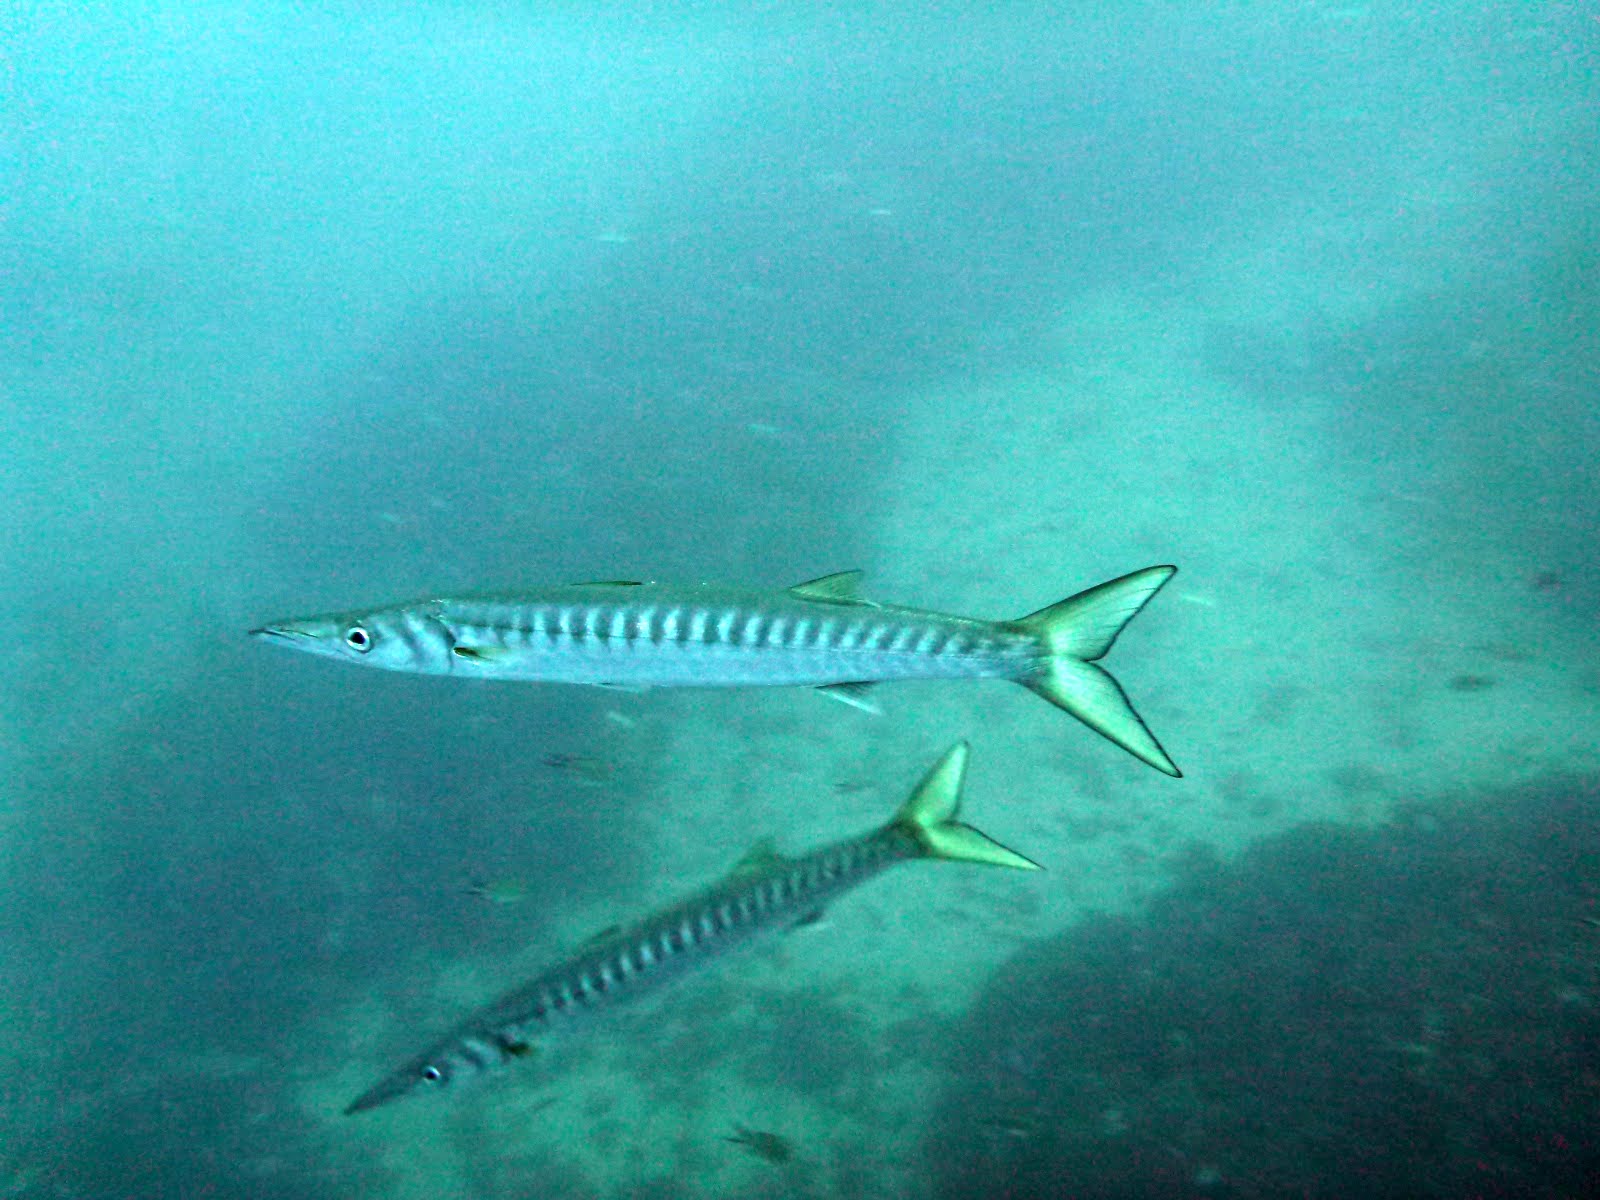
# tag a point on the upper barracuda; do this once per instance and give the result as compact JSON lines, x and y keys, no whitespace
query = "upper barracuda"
{"x":817,"y":634}
{"x":764,"y":894}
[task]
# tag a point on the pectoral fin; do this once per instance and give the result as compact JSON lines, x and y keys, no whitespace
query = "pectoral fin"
{"x":483,"y":654}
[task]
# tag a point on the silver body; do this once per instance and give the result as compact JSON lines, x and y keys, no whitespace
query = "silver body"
{"x":764,"y":894}
{"x":667,"y":635}
{"x":681,"y":939}
{"x":817,"y":634}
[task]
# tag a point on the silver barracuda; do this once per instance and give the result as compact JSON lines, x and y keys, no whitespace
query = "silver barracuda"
{"x":817,"y":634}
{"x":764,"y":894}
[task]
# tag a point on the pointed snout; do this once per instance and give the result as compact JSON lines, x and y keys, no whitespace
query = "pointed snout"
{"x":283,"y":633}
{"x":392,"y":1087}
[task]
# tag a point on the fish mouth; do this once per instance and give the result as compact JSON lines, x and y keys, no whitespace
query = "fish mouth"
{"x":391,"y":1088}
{"x":283,"y":633}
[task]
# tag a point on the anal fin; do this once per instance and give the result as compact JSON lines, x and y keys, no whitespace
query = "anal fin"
{"x":856,"y":695}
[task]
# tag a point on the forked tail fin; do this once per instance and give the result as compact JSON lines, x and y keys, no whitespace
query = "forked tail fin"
{"x":1075,"y":633}
{"x":929,"y":816}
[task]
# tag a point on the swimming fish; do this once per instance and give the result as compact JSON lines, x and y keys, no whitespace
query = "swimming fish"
{"x":818,"y":634}
{"x":585,"y":768}
{"x":773,"y":1147}
{"x":500,"y":891}
{"x":765,"y":893}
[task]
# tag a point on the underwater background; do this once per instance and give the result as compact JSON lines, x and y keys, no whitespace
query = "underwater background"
{"x":308,"y":306}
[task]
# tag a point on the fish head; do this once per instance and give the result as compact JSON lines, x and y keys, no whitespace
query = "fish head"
{"x":447,"y":1067}
{"x":431,"y":1073}
{"x":407,"y":638}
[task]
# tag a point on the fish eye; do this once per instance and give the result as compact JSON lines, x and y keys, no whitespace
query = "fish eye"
{"x":358,"y":639}
{"x":432,"y":1074}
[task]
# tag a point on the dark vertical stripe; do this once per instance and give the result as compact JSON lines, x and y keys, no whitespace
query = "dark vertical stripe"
{"x":404,"y":629}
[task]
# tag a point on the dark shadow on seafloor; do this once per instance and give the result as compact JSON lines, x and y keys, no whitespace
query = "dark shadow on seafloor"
{"x":1411,"y":1010}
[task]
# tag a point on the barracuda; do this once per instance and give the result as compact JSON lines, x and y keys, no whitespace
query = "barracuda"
{"x":818,"y":634}
{"x":764,"y":894}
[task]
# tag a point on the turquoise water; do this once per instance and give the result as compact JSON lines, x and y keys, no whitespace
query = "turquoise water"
{"x":305,"y":307}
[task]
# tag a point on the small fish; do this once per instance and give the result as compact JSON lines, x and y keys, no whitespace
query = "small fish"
{"x":584,"y":767}
{"x":819,"y":634}
{"x":500,"y":891}
{"x":1015,"y":1125}
{"x":769,"y":1146}
{"x":764,"y":894}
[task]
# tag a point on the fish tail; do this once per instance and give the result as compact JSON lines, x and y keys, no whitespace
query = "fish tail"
{"x":1075,"y":633}
{"x":929,"y":818}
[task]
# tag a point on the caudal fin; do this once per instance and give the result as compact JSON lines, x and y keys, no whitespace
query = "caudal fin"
{"x":1077,"y":631}
{"x":929,"y":816}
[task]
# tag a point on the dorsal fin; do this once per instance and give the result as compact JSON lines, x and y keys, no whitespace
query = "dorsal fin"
{"x":763,"y":855}
{"x":844,"y":587}
{"x":609,"y":583}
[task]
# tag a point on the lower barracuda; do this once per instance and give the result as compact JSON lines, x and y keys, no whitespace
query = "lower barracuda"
{"x":819,"y":634}
{"x":764,"y":895}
